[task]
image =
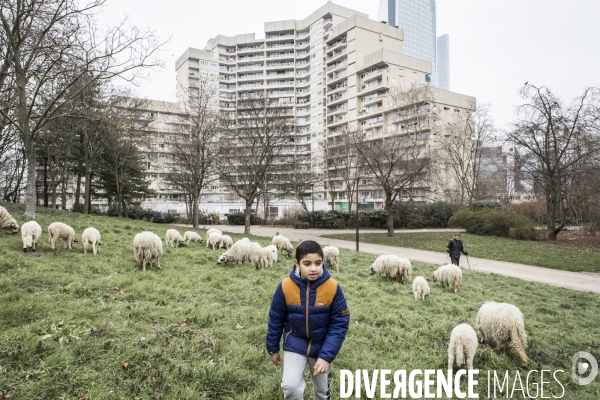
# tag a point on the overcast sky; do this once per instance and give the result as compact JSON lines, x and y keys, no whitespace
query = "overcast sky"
{"x":495,"y":46}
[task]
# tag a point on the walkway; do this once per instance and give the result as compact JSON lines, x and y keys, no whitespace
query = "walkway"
{"x":582,"y":281}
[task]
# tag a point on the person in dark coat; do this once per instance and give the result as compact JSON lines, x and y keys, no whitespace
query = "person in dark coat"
{"x":454,"y":248}
{"x":159,"y":217}
{"x":309,"y":310}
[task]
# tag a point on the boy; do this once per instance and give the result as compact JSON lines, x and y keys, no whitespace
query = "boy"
{"x":310,"y":310}
{"x":454,"y":248}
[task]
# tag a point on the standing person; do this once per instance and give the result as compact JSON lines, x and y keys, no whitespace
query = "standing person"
{"x":454,"y":248}
{"x":159,"y":217}
{"x":310,"y":311}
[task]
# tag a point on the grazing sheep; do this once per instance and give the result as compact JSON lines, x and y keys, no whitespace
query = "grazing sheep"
{"x":243,"y":250}
{"x":90,"y":235}
{"x":30,"y":233}
{"x":253,"y":253}
{"x":226,"y":241}
{"x":173,"y":238}
{"x":211,"y":230}
{"x":59,"y":230}
{"x":269,"y":255}
{"x":147,"y":246}
{"x":450,"y":275}
{"x":7,"y":221}
{"x":213,"y":240}
{"x":420,"y":288}
{"x":190,"y":236}
{"x":331,"y":257}
{"x":395,"y":267}
{"x":463,"y":345}
{"x":282,"y":243}
{"x":503,"y":323}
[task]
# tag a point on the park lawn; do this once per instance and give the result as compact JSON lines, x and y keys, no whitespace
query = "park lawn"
{"x":541,"y":254}
{"x":80,"y":326}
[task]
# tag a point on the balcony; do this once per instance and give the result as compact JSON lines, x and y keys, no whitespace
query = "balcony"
{"x":327,"y":22}
{"x":281,"y":83}
{"x":250,"y":58}
{"x":250,"y":76}
{"x":280,"y":36}
{"x":301,"y":35}
{"x":365,"y":88}
{"x":302,"y":54}
{"x":372,"y":121}
{"x":336,"y":66}
{"x":247,"y":86}
{"x":336,"y":55}
{"x":339,"y":109}
{"x":280,"y":45}
{"x":340,"y":43}
{"x":337,"y":76}
{"x":280,"y":55}
{"x":341,"y":86}
{"x":275,"y":75}
{"x":280,"y":64}
{"x":280,"y":93}
{"x":251,"y":48}
{"x":250,"y":67}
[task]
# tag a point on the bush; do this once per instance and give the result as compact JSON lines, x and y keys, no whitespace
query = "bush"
{"x":239,"y":218}
{"x":493,"y":222}
{"x":522,"y":233}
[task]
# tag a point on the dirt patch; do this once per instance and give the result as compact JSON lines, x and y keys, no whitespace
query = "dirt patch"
{"x":575,"y":239}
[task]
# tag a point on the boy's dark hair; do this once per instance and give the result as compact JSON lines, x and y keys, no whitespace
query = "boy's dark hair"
{"x":308,"y":247}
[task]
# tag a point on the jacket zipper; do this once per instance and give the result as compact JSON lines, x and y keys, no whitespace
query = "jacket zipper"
{"x":288,"y":334}
{"x":307,"y":306}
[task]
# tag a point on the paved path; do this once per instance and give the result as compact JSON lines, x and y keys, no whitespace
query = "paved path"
{"x":586,"y":282}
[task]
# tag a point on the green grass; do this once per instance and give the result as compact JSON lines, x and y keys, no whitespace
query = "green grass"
{"x":96,"y":327}
{"x":540,"y":254}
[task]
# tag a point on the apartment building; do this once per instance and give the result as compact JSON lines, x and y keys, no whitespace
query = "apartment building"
{"x":332,"y":70}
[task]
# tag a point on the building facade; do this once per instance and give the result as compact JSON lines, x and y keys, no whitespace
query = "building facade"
{"x":443,"y":62}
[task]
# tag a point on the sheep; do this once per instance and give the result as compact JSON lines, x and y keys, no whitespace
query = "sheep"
{"x":503,"y":323}
{"x":393,"y":266}
{"x":331,"y":257}
{"x":450,"y":275}
{"x":173,"y":238}
{"x":269,"y":255}
{"x":420,"y":288}
{"x":7,"y":221}
{"x":463,"y":345}
{"x":190,"y":236}
{"x":282,"y":243}
{"x":213,"y":240}
{"x":211,"y":230}
{"x":243,"y":250}
{"x":30,"y":233}
{"x":147,"y":246}
{"x":90,"y":235}
{"x":253,"y":253}
{"x":59,"y":230}
{"x":226,"y":241}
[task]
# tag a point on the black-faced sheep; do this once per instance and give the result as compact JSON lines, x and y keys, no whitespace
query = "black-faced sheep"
{"x":450,"y":275}
{"x":190,"y":236}
{"x":173,"y":238}
{"x":30,"y":233}
{"x":463,"y":345}
{"x":420,"y":288}
{"x":331,"y":257}
{"x":90,"y":236}
{"x":7,"y":221}
{"x":283,"y":244}
{"x":147,"y":246}
{"x":226,"y":241}
{"x":503,"y":323}
{"x":59,"y":230}
{"x":395,"y":267}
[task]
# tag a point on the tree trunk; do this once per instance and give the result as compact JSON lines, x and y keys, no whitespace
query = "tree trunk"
{"x":77,"y":190}
{"x":87,"y":191}
{"x":63,"y":190}
{"x":247,"y":219}
{"x":390,"y":216}
{"x":46,"y":181}
{"x":30,"y":194}
{"x":195,"y":201}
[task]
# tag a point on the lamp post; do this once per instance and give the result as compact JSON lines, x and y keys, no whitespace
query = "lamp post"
{"x":357,"y":180}
{"x":312,"y":196}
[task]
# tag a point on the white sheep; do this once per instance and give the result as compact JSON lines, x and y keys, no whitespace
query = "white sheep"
{"x":190,"y":236}
{"x":283,"y":244}
{"x":241,"y":251}
{"x":503,"y":323}
{"x":395,"y":267}
{"x":59,"y":230}
{"x":420,"y":288}
{"x":30,"y":233}
{"x":450,"y":275}
{"x":226,"y":241}
{"x":269,"y":254}
{"x":7,"y":221}
{"x":211,"y":230}
{"x":90,"y":236}
{"x":253,"y":253}
{"x":463,"y":345}
{"x":147,"y":246}
{"x":331,"y":257}
{"x":173,"y":238}
{"x":213,"y":240}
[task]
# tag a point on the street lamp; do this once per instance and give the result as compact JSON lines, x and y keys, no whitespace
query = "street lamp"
{"x":357,"y":180}
{"x":312,"y":196}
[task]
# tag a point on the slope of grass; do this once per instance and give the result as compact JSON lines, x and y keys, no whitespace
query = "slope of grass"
{"x":540,"y":254}
{"x":96,"y":327}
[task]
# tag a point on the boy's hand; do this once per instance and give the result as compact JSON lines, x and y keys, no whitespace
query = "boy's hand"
{"x":321,"y":367}
{"x":275,"y":358}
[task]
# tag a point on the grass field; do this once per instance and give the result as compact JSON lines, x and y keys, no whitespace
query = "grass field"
{"x":80,"y":326}
{"x":526,"y":252}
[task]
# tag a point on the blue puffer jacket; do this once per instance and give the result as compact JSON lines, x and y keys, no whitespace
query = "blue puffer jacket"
{"x":316,"y":327}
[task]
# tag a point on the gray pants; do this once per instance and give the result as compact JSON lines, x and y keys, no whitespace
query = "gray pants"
{"x":293,"y":378}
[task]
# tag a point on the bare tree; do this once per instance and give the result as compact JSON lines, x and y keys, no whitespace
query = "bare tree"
{"x":555,"y":142}
{"x":194,"y":147}
{"x":52,"y":52}
{"x":398,"y":161}
{"x":257,"y":141}
{"x":297,"y":180}
{"x":342,"y":165}
{"x":12,"y":163}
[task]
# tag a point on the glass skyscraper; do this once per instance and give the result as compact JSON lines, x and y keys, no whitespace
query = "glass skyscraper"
{"x":417,"y":19}
{"x":443,"y":62}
